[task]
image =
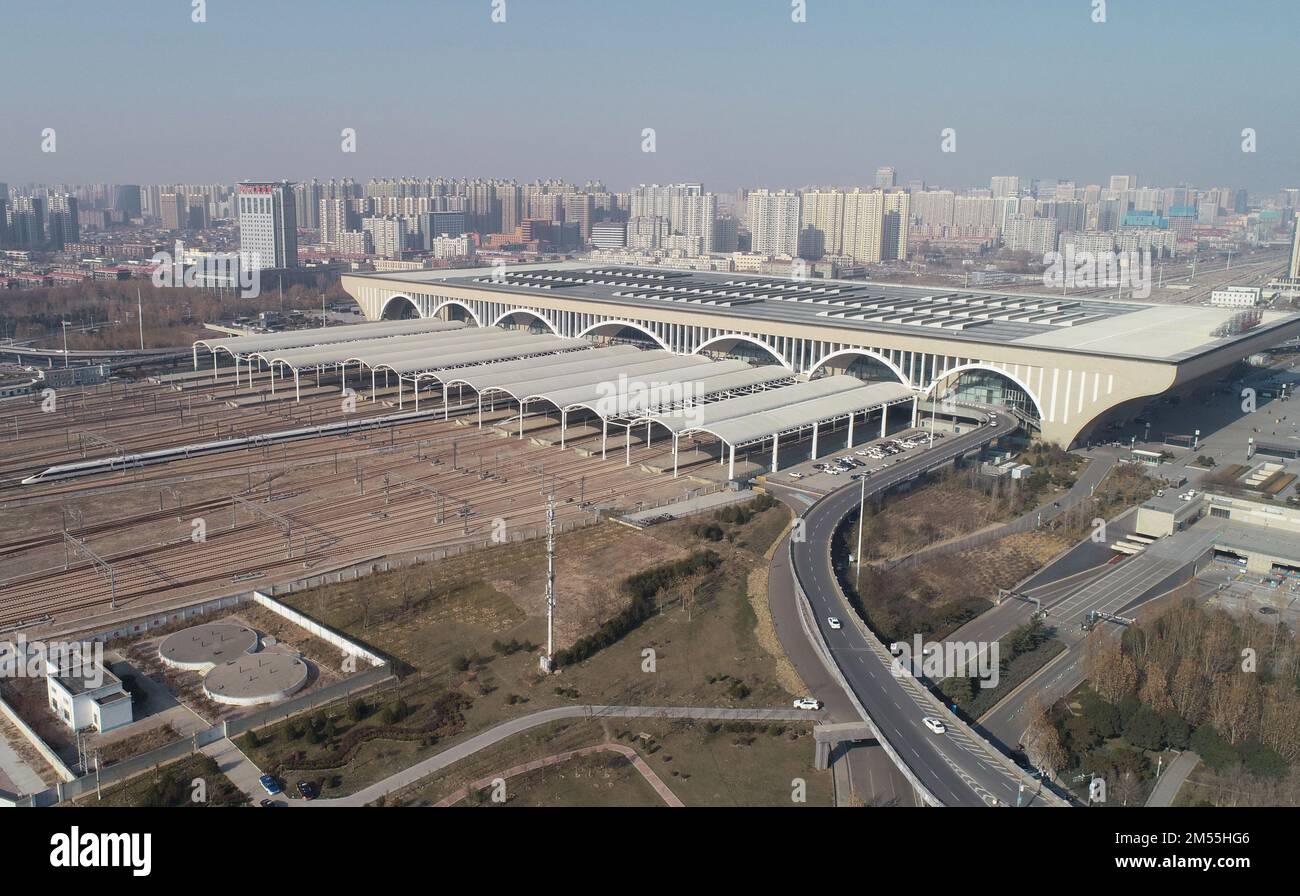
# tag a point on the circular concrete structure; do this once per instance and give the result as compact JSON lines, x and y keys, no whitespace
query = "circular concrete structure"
{"x":257,"y":678}
{"x":201,"y":647}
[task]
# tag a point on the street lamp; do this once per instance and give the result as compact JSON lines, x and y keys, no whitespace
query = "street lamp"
{"x":65,"y":342}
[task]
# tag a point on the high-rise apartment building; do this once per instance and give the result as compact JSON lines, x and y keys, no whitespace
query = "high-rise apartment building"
{"x":61,"y":220}
{"x":579,"y":209}
{"x":387,"y":235}
{"x":27,"y":221}
{"x":174,"y":210}
{"x":1034,"y":235}
{"x":1004,"y":185}
{"x":774,"y":222}
{"x":821,"y":223}
{"x":268,"y":227}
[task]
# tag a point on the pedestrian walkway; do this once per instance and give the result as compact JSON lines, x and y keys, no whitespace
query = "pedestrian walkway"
{"x":1172,"y":780}
{"x":244,"y":774}
{"x":628,"y":753}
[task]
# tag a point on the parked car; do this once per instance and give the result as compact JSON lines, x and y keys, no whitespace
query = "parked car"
{"x":270,"y":784}
{"x":307,"y":790}
{"x":807,"y":703}
{"x":796,"y":475}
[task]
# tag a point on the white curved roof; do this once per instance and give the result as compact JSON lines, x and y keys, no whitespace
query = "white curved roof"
{"x":511,"y":345}
{"x":481,"y":377}
{"x":373,"y":352}
{"x":247,"y":345}
{"x":738,"y":421}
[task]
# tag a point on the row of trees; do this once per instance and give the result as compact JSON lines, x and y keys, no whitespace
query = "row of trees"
{"x":1237,"y":676}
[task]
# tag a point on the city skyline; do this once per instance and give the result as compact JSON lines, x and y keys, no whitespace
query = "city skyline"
{"x":724,"y":88}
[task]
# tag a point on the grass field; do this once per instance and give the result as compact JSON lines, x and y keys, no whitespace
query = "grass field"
{"x":703,"y":763}
{"x":456,"y":627}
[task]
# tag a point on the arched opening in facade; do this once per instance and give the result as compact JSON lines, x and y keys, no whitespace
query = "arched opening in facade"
{"x":617,"y":332}
{"x":744,"y":348}
{"x":859,"y":363}
{"x":979,"y":384}
{"x":399,"y":308}
{"x":523,"y":319}
{"x":457,"y":311}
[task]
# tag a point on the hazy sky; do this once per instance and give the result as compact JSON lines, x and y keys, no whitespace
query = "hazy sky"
{"x":736,"y":92}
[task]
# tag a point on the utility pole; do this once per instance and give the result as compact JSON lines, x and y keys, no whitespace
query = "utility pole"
{"x":139,"y":313}
{"x":548,"y":662}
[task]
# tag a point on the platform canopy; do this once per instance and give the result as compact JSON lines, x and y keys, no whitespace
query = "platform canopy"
{"x":424,"y":348}
{"x":754,"y":418}
{"x":245,"y":346}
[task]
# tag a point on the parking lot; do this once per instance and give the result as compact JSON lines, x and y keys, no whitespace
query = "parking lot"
{"x":827,"y":472}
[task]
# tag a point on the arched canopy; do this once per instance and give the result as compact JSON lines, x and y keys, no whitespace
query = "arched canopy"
{"x":456,"y":303}
{"x":740,"y":337}
{"x":617,"y":325}
{"x":399,"y":307}
{"x":537,"y":315}
{"x":861,"y":353}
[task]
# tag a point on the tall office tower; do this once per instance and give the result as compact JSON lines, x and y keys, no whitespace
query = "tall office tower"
{"x":1120,"y":183}
{"x":387,"y":235}
{"x":1294,"y":270}
{"x":61,"y":220}
{"x":886,"y":177}
{"x":126,"y":199}
{"x":511,"y":197}
{"x":774,"y":222}
{"x":435,"y":224}
{"x":1240,"y":202}
{"x":268,"y":228}
{"x":1004,"y":185}
{"x":174,"y":210}
{"x":821,"y":227}
{"x":698,"y":211}
{"x":306,"y":203}
{"x":4,"y":214}
{"x":579,"y":209}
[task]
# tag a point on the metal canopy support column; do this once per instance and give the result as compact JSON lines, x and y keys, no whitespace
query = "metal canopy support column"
{"x":884,"y":419}
{"x":480,"y":407}
{"x":297,"y":386}
{"x":814,"y":442}
{"x":564,"y":421}
{"x":916,"y":406}
{"x":852,"y":414}
{"x":627,"y":439}
{"x":521,"y":420}
{"x":731,"y":464}
{"x":674,"y":455}
{"x":604,"y":436}
{"x":776,"y":444}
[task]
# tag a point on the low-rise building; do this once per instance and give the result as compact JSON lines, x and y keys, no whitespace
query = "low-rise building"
{"x":96,"y":700}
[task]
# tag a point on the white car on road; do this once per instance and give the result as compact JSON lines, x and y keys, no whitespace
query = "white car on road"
{"x":936,"y":726}
{"x":807,"y":703}
{"x":834,"y":622}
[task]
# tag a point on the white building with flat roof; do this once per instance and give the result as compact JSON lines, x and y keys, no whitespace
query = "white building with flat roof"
{"x":1237,"y":297}
{"x":97,"y":700}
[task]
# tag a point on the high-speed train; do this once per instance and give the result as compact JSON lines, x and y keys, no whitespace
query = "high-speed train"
{"x":180,"y":452}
